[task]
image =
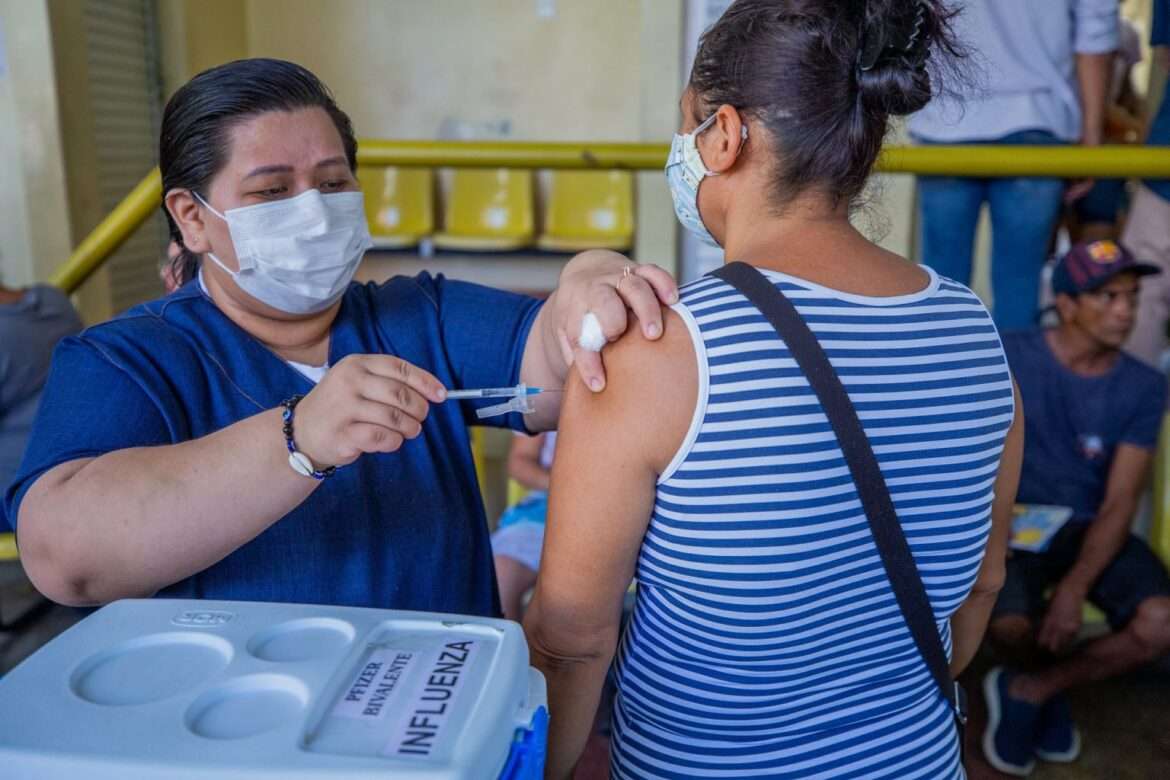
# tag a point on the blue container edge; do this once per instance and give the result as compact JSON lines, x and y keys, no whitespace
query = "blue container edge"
{"x":529,"y":748}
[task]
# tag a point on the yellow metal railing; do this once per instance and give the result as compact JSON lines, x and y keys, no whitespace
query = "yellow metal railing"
{"x":104,"y":239}
{"x":1065,"y":162}
{"x":989,"y":161}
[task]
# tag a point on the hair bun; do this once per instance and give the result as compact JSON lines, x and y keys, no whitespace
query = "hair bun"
{"x":895,"y":44}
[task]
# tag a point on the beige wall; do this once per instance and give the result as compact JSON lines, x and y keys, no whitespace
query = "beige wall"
{"x":33,"y":203}
{"x":78,"y":147}
{"x":401,"y":68}
{"x":195,"y":35}
{"x":598,"y":70}
{"x":604,"y":70}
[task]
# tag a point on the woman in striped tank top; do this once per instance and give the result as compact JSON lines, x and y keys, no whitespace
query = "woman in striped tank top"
{"x":766,"y":640}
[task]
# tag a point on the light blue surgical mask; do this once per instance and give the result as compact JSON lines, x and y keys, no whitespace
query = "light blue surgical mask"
{"x":685,"y":171}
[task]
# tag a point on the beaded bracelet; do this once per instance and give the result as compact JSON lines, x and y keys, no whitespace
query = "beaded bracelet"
{"x":298,"y":460}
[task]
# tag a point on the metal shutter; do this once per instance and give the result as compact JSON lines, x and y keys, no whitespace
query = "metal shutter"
{"x":125,"y":95}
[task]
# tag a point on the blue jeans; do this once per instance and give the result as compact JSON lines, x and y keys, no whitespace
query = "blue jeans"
{"x":1024,"y":213}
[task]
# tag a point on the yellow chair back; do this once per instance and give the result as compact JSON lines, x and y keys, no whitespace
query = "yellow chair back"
{"x":488,"y":210}
{"x":1160,"y":526}
{"x":400,"y":204}
{"x":589,"y":210}
{"x":516,"y":492}
{"x":8,"y":550}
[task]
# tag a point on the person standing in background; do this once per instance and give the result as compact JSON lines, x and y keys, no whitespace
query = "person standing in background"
{"x":1147,"y":233}
{"x":32,"y":321}
{"x":1046,"y":70}
{"x":1097,"y":216}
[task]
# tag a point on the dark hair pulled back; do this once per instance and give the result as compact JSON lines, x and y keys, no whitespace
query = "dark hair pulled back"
{"x":824,"y":77}
{"x":194,"y":142}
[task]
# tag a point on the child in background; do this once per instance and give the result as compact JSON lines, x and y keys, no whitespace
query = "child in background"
{"x":516,"y":543}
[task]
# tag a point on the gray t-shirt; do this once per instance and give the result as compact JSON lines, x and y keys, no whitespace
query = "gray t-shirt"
{"x":29,"y":329}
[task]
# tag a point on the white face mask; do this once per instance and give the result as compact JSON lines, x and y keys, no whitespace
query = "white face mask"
{"x":685,"y":171}
{"x":297,"y":255}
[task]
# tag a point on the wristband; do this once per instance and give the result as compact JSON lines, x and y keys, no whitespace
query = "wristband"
{"x":299,"y":461}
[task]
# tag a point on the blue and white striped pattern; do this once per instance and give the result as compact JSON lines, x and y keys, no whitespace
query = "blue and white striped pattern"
{"x":766,"y":641}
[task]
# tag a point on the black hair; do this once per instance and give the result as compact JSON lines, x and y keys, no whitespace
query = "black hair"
{"x":193,"y":145}
{"x":824,"y":77}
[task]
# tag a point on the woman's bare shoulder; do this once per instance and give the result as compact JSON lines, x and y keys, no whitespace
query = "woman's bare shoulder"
{"x":651,"y":388}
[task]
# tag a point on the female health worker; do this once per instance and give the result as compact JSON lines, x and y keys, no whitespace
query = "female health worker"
{"x":173,"y":456}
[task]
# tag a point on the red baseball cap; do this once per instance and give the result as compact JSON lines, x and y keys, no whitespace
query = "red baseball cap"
{"x":1089,"y":265}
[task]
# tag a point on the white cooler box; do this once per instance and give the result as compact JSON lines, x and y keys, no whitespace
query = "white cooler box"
{"x":204,"y":689}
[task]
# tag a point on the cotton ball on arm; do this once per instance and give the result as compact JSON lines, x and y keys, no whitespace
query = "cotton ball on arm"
{"x":592,"y":338}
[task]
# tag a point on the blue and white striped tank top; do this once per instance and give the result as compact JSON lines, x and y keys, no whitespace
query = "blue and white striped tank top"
{"x":766,"y":641}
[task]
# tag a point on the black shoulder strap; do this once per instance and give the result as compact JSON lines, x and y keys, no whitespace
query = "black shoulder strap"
{"x":871,"y":486}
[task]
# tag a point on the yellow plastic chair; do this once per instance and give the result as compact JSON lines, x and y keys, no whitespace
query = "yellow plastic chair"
{"x":400,"y":205}
{"x":589,"y":210}
{"x":1091,"y":616}
{"x":478,"y":456}
{"x":516,"y":492}
{"x":488,"y":211}
{"x":1160,"y":526}
{"x":8,"y":550}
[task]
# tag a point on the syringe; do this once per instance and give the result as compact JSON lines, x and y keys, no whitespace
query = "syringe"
{"x":520,"y":395}
{"x":493,"y":392}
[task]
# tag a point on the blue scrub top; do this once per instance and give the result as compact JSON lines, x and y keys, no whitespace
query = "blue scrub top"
{"x":403,"y":530}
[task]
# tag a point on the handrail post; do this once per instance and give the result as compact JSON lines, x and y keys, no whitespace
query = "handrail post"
{"x":110,"y":233}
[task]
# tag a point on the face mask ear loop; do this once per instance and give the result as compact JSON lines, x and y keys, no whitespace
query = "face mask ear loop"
{"x":743,"y":136}
{"x":207,"y":205}
{"x":211,"y":208}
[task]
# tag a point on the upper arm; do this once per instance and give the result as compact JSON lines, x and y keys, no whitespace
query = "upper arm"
{"x":1096,"y":26}
{"x":1007,"y":482}
{"x":89,"y":407}
{"x":1144,"y":423}
{"x":611,"y":447}
{"x":1127,"y":475}
{"x":484,"y":332}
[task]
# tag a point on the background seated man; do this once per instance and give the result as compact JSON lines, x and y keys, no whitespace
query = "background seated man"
{"x":32,"y":321}
{"x":1092,"y":416}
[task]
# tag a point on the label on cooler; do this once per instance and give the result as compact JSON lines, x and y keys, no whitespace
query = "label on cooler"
{"x":380,"y":681}
{"x":424,"y":718}
{"x":414,"y":691}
